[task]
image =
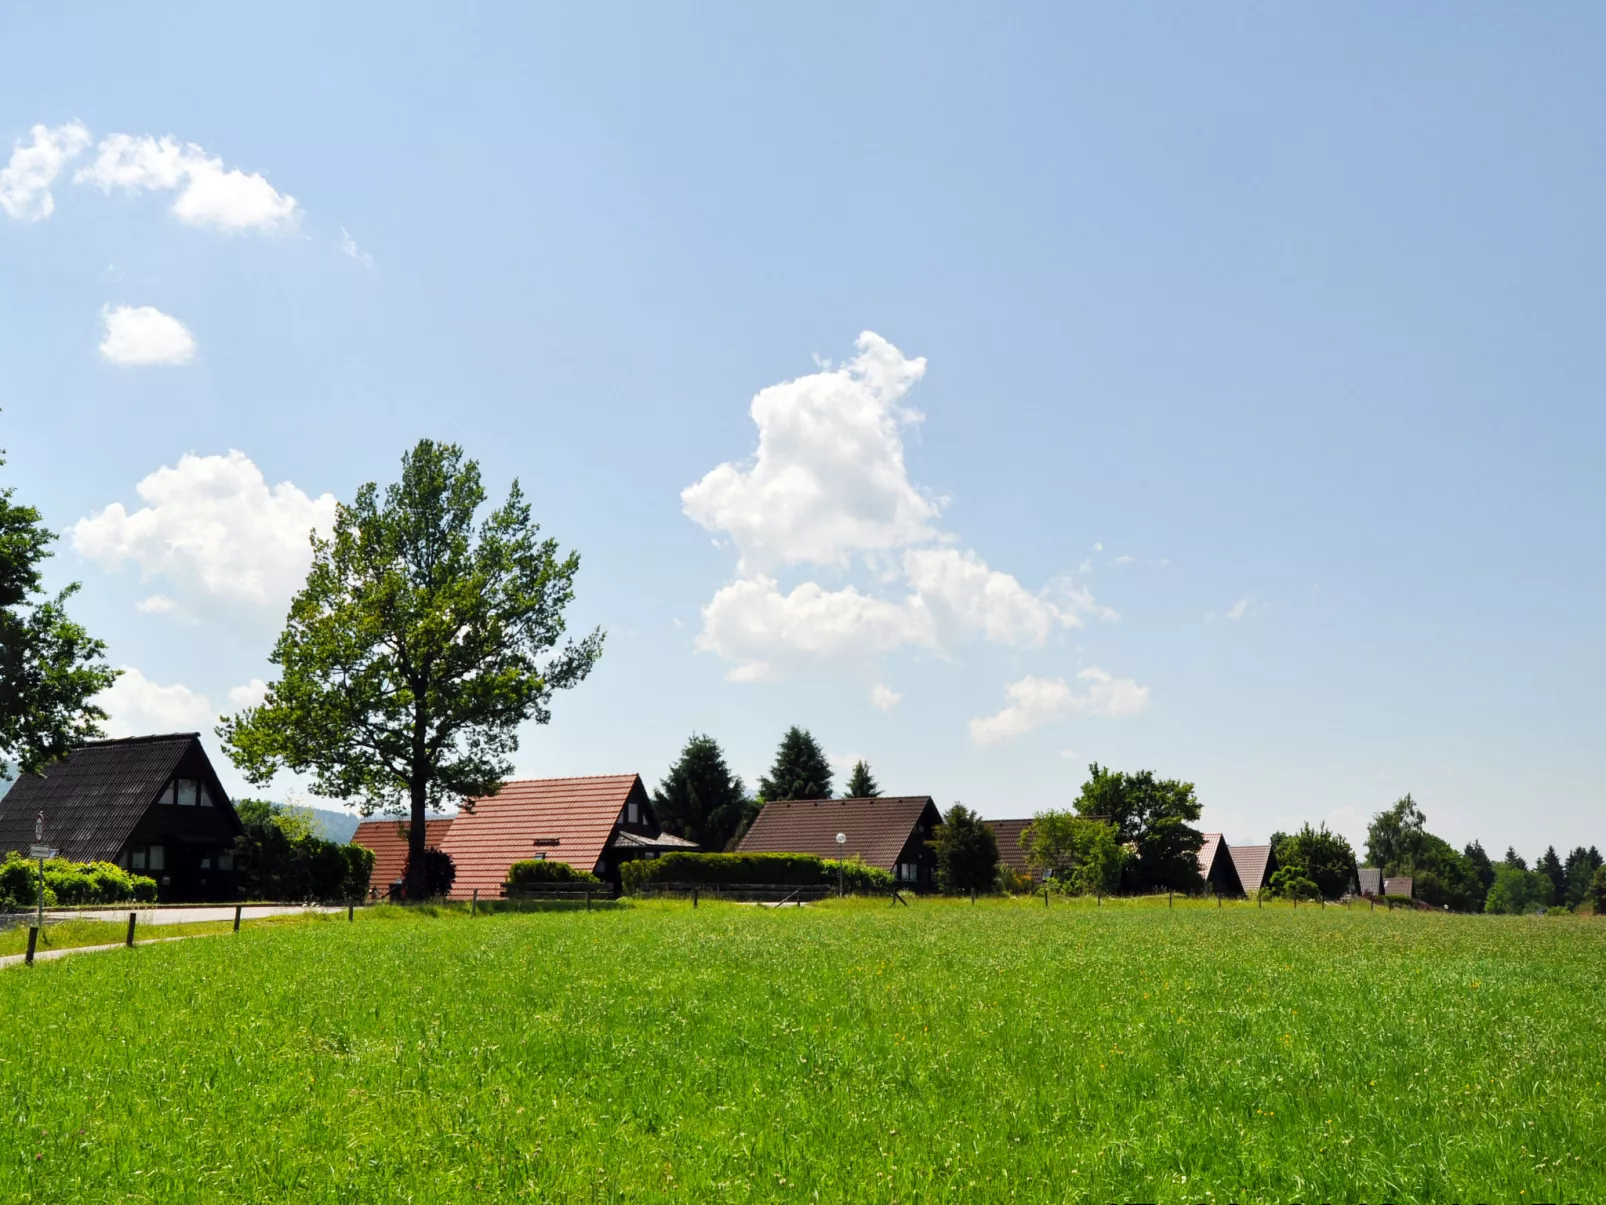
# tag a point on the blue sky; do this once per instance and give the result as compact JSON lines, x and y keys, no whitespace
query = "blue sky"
{"x":1257,"y":438}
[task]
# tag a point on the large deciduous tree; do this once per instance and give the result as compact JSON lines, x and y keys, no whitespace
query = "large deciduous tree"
{"x":800,"y":770}
{"x":1153,"y":815}
{"x":418,"y":646}
{"x":967,"y":851}
{"x":1396,"y":836}
{"x":50,"y":667}
{"x":700,"y":799}
{"x":1398,"y":842}
{"x":1321,"y":856}
{"x":1077,"y":855}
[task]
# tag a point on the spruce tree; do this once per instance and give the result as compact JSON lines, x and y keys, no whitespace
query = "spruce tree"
{"x":860,"y":784}
{"x":1550,"y":867}
{"x":700,"y":799}
{"x":800,"y":770}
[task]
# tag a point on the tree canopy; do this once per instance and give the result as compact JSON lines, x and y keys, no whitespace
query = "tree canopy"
{"x":700,"y":799}
{"x":1077,"y":855}
{"x":860,"y":783}
{"x":1580,"y":870}
{"x":1319,"y":856}
{"x":50,"y":667}
{"x":417,"y":647}
{"x":801,"y":770}
{"x":1399,"y":843}
{"x":967,"y":851}
{"x":1516,"y":890}
{"x":1155,"y":816}
{"x":1395,"y":836}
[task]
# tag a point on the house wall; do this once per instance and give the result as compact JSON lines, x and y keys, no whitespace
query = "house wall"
{"x":191,"y":839}
{"x":918,"y":854}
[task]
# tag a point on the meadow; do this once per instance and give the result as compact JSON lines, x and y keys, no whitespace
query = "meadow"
{"x":848,"y":1052}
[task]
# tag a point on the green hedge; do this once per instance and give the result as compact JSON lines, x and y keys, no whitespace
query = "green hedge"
{"x":787,"y":870}
{"x":780,"y":870}
{"x":537,"y":871}
{"x":70,"y":883}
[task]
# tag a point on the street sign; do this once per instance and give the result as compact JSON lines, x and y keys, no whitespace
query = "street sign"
{"x":41,"y":851}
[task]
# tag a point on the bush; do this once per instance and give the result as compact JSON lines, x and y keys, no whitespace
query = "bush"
{"x":439,"y":873}
{"x":788,"y":870}
{"x":71,"y":883}
{"x":537,"y":871}
{"x":856,"y":876}
{"x":280,"y":859}
{"x":1011,"y":883}
{"x":1291,"y":883}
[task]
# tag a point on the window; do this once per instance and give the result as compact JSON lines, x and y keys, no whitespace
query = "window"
{"x":908,"y":871}
{"x":225,"y":860}
{"x":158,"y":858}
{"x":206,"y":861}
{"x":186,"y":789}
{"x":136,"y":859}
{"x":633,"y":813}
{"x":206,"y":796}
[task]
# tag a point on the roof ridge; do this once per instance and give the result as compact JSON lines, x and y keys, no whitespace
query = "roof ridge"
{"x":151,"y":738}
{"x":507,"y":782}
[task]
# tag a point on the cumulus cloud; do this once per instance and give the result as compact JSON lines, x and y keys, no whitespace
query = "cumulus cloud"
{"x":1034,"y":702}
{"x":249,"y":694}
{"x":883,"y":697}
{"x":25,"y":181}
{"x":1240,"y":609}
{"x":215,"y":531}
{"x":828,"y":487}
{"x":139,"y":335}
{"x":136,"y":706}
{"x":156,"y":604}
{"x":208,"y":193}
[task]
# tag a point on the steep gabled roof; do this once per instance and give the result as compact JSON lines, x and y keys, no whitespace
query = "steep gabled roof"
{"x":388,"y":839}
{"x":93,"y":798}
{"x":1213,"y":845}
{"x":573,"y":819}
{"x":1010,"y":853}
{"x":877,"y":829}
{"x":1254,"y":864}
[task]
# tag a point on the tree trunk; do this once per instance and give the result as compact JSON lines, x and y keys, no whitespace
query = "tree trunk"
{"x":417,"y":831}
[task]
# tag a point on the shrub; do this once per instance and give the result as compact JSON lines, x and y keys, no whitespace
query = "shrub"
{"x":1291,"y":883}
{"x":71,"y":883}
{"x":1011,"y":883}
{"x":19,"y":883}
{"x":280,"y":859}
{"x":788,"y":870}
{"x":439,"y":873}
{"x":536,"y":871}
{"x":856,"y":876}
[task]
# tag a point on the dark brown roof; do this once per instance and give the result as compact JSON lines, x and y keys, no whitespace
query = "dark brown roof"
{"x":1010,"y":853}
{"x":1254,"y":864}
{"x":573,"y":818}
{"x":93,"y":798}
{"x":877,"y":829}
{"x":388,"y":839}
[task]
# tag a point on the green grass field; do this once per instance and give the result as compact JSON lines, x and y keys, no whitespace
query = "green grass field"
{"x":847,"y":1052}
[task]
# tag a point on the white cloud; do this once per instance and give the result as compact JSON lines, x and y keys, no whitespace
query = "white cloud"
{"x":141,"y":335}
{"x":828,"y":480}
{"x":751,"y":622}
{"x":25,"y":181}
{"x":828,"y":487}
{"x":208,"y":194}
{"x":349,"y":246}
{"x":1034,"y":702}
{"x":215,"y":530}
{"x":250,"y":694}
{"x":136,"y":706}
{"x":156,"y":604}
{"x":883,"y":697}
{"x":1240,"y":608}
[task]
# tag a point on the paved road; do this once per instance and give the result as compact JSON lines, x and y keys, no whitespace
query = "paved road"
{"x":188,"y":916}
{"x":11,"y":960}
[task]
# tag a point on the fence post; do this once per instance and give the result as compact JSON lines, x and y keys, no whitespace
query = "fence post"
{"x":130,"y":930}
{"x":474,"y":903}
{"x":351,"y":911}
{"x":1373,"y":901}
{"x":237,"y":918}
{"x":1218,"y":903}
{"x":1168,"y":902}
{"x":1259,"y":902}
{"x":33,"y":938}
{"x":972,"y":895}
{"x":1045,"y":895}
{"x":588,"y":899}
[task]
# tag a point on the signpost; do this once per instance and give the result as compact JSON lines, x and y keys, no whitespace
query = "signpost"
{"x":41,"y":851}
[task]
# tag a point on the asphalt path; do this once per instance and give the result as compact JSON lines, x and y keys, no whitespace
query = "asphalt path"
{"x":188,"y":916}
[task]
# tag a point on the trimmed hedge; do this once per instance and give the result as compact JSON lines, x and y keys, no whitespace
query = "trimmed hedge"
{"x":784,"y":870}
{"x":536,"y":871}
{"x":71,"y":883}
{"x":779,"y":870}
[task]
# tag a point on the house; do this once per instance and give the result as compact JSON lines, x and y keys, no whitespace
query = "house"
{"x":1254,"y":864}
{"x":1011,"y":854}
{"x":1371,"y":881}
{"x":593,"y":824}
{"x":151,"y":804}
{"x":893,"y":833}
{"x":1217,"y":868}
{"x":388,"y":840}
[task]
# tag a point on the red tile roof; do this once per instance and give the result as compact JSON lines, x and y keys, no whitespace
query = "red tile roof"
{"x":1010,"y":853}
{"x":1212,"y":846}
{"x":572,"y":818}
{"x":388,"y":839}
{"x":1254,"y":864}
{"x":877,"y":829}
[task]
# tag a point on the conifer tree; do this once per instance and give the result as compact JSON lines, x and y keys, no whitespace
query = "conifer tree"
{"x":800,"y":771}
{"x":861,"y":785}
{"x":700,"y":799}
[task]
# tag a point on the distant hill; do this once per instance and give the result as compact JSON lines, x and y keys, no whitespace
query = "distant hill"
{"x":337,"y":826}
